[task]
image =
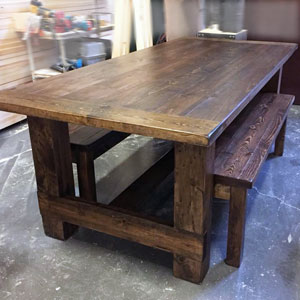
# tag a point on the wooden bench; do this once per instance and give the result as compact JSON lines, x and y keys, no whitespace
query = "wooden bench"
{"x":88,"y":143}
{"x":240,"y":153}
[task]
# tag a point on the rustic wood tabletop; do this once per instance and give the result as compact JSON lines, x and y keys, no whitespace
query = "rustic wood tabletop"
{"x":188,"y":90}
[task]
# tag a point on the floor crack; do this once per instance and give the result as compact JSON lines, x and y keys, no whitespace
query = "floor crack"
{"x":6,"y":159}
{"x":277,"y":198}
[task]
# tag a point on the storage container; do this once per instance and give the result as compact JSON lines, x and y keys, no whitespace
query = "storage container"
{"x":92,"y":49}
{"x":89,"y":60}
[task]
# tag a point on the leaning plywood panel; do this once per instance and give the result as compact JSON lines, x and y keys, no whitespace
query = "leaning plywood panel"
{"x":143,"y":23}
{"x":121,"y":41}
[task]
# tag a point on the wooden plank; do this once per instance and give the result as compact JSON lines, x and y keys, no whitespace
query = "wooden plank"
{"x":143,"y":24}
{"x":10,"y":61}
{"x":53,"y":168}
{"x":197,"y":88}
{"x":156,"y":125}
{"x":94,"y":140}
{"x":101,"y":218}
{"x":192,"y":204}
{"x":13,"y":84}
{"x":84,"y":135}
{"x":18,"y":67}
{"x":244,"y":146}
{"x":222,"y":191}
{"x":8,"y":119}
{"x":122,"y":32}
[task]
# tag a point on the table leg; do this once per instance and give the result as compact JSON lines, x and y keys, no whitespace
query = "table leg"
{"x":274,"y":84}
{"x":53,"y":167}
{"x":192,"y":204}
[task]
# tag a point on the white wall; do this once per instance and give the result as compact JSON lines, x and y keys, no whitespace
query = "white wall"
{"x":183,"y":17}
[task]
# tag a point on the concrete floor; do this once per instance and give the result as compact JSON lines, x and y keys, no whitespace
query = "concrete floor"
{"x":92,"y":265}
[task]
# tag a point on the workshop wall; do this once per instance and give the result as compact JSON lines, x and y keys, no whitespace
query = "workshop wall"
{"x":14,"y":66}
{"x":182,"y":17}
{"x":277,"y":20}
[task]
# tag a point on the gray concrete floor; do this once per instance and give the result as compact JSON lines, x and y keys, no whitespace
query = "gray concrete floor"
{"x":92,"y":265}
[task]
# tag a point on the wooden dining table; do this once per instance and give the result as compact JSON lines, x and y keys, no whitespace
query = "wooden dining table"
{"x":187,"y":91}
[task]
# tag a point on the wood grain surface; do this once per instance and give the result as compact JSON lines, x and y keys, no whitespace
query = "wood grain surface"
{"x":193,"y":193}
{"x":187,"y":90}
{"x":87,"y":144}
{"x":85,"y":136}
{"x":53,"y":169}
{"x":101,"y":218}
{"x":236,"y":226}
{"x":244,"y":146}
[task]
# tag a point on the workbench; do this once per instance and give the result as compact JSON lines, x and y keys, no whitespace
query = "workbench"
{"x":187,"y":91}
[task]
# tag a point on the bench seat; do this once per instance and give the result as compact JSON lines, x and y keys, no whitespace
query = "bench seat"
{"x":92,"y":139}
{"x":244,"y":146}
{"x":240,"y":153}
{"x":87,"y":144}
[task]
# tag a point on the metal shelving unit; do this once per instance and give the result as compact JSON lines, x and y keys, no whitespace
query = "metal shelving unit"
{"x":62,"y":37}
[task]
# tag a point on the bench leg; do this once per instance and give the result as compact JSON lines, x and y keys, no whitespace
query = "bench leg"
{"x":192,"y":205}
{"x":53,"y":169}
{"x":279,"y":142}
{"x":86,"y":176}
{"x":236,"y":226}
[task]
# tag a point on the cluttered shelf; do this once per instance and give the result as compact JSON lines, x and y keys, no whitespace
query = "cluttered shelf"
{"x":84,"y":32}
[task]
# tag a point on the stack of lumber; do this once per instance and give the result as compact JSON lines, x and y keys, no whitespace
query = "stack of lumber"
{"x":125,"y":12}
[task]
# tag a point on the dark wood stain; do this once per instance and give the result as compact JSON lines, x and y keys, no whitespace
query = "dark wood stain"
{"x":236,"y":226}
{"x":192,"y":204}
{"x":53,"y":169}
{"x":188,"y":90}
{"x":100,"y":217}
{"x":244,"y":146}
{"x":87,"y":144}
{"x":195,"y":92}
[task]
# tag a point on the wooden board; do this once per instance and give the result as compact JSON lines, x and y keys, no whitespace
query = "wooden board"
{"x":244,"y":146}
{"x":7,"y":119}
{"x":188,"y":90}
{"x":143,"y":24}
{"x":101,"y":218}
{"x":85,"y":136}
{"x":122,"y":33}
